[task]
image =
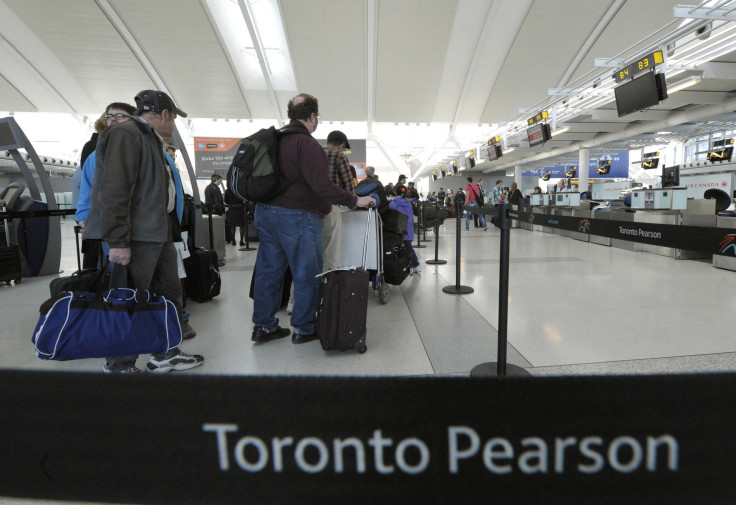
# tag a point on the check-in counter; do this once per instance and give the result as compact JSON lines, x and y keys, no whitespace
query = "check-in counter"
{"x":582,"y":213}
{"x":560,"y":211}
{"x":727,"y":262}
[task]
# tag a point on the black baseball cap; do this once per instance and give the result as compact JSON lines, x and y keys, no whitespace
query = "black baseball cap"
{"x":151,"y":100}
{"x":337,"y":137}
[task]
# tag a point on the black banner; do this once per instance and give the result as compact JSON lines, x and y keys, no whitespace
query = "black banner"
{"x":721,"y":241}
{"x":274,"y":440}
{"x":20,"y":214}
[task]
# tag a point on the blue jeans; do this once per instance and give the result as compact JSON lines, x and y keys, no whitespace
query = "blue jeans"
{"x":469,"y":216}
{"x":294,"y":238}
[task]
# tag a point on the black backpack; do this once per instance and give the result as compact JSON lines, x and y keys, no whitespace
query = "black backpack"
{"x":254,"y":173}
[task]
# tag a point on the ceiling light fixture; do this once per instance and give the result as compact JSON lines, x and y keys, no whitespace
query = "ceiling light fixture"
{"x":560,"y":131}
{"x":683,"y":85}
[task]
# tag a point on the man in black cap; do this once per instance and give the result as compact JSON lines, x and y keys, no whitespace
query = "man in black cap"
{"x":340,"y":174}
{"x":135,"y":213}
{"x":400,"y":187}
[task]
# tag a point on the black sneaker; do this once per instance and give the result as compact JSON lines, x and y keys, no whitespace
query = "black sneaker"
{"x":303,"y":338}
{"x":261,"y":334}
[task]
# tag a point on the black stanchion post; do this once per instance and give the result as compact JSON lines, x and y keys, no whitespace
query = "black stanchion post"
{"x":500,"y":367}
{"x":245,"y":230}
{"x":436,"y":261}
{"x":423,"y":219}
{"x":457,"y":289}
{"x":417,"y":231}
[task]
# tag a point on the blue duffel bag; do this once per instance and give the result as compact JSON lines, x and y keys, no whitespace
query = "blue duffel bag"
{"x":117,"y":322}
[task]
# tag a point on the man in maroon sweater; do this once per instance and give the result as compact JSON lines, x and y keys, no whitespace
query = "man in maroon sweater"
{"x":290,"y":229}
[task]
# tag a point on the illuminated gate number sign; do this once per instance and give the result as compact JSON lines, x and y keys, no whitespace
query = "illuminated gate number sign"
{"x":646,"y":63}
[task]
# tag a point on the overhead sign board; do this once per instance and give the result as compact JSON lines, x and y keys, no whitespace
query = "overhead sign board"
{"x":646,"y":63}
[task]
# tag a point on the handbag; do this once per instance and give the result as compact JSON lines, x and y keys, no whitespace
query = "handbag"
{"x":115,"y":322}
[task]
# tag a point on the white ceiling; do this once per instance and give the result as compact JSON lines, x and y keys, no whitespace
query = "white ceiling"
{"x":395,"y":71}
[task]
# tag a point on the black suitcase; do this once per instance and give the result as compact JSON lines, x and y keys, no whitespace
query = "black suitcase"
{"x":396,"y":259}
{"x":87,"y":279}
{"x":342,"y":309}
{"x":203,"y":275}
{"x":395,"y":221}
{"x":203,"y":281}
{"x":10,"y":265}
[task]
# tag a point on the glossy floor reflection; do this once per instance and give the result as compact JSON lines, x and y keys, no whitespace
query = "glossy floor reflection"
{"x":574,"y":307}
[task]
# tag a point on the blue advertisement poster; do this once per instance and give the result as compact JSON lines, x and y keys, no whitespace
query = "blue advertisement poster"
{"x":606,"y":167}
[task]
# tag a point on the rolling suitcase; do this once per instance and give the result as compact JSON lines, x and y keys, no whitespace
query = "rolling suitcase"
{"x":203,"y":281}
{"x":203,"y":275}
{"x":10,"y":265}
{"x":343,"y":305}
{"x":86,"y":279}
{"x":396,"y":259}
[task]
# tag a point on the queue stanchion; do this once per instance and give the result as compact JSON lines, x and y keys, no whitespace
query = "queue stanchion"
{"x":458,"y":289}
{"x":247,"y":246}
{"x":436,"y":261}
{"x":424,"y":223}
{"x":417,"y":231}
{"x":500,"y":368}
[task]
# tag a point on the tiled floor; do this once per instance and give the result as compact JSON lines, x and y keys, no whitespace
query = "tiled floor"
{"x":574,"y":308}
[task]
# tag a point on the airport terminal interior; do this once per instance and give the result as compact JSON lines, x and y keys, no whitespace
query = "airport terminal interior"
{"x":617,"y":115}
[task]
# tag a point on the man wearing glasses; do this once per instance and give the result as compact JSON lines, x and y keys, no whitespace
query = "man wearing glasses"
{"x":135,"y":212}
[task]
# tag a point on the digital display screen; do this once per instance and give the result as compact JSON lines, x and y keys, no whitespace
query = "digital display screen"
{"x":536,"y":135}
{"x":493,"y":153}
{"x":637,"y":94}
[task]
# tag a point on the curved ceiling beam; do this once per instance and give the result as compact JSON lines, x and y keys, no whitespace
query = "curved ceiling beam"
{"x":371,"y":36}
{"x":248,"y":18}
{"x":226,"y":53}
{"x":592,"y":38}
{"x":117,"y":22}
{"x":42,"y":79}
{"x":477,"y":52}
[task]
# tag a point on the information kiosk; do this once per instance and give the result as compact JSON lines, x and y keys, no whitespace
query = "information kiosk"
{"x":39,"y":238}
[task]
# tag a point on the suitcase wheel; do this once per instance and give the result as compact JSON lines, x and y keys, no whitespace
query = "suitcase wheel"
{"x":384,"y":293}
{"x":361,"y":348}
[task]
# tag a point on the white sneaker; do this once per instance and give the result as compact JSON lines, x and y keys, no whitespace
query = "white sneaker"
{"x":417,"y":269}
{"x":289,"y":308}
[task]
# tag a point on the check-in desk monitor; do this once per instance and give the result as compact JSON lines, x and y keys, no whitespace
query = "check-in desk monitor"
{"x":565,"y":199}
{"x":659,"y":199}
{"x":540,"y":199}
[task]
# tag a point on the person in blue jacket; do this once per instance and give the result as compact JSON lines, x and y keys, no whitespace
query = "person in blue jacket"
{"x":404,"y":206}
{"x":116,"y":112}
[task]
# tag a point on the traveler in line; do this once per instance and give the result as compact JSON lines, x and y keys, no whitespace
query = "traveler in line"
{"x":290,"y":229}
{"x":473,"y":195}
{"x":341,"y":175}
{"x":213,"y":196}
{"x":403,"y":205}
{"x":133,"y":209}
{"x":117,"y":112}
{"x":497,"y":191}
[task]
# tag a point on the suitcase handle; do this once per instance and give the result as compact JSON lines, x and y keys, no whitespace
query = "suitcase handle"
{"x":365,"y":239}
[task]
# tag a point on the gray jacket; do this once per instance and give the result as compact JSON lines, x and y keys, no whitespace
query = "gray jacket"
{"x":130,"y":187}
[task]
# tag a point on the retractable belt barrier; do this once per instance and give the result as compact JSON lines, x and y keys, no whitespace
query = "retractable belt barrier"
{"x":313,"y":440}
{"x":21,"y":214}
